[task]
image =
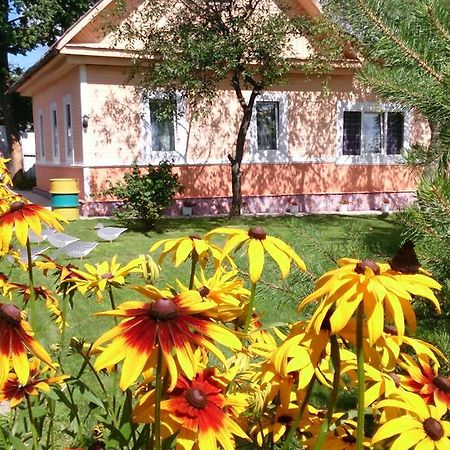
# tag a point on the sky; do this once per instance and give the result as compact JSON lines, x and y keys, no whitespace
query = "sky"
{"x":29,"y":59}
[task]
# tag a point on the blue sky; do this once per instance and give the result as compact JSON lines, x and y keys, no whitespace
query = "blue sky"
{"x":27,"y":60}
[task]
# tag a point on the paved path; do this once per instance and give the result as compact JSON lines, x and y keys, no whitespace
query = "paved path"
{"x":34,"y":197}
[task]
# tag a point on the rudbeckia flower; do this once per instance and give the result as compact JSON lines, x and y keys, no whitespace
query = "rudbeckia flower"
{"x":22,"y":216}
{"x":16,"y":340}
{"x":201,"y":408}
{"x":259,"y":242}
{"x":5,"y":178}
{"x":225,"y":290}
{"x":40,"y":379}
{"x":421,"y":428}
{"x":102,"y":276}
{"x":176,"y":324}
{"x":382,"y":291}
{"x":425,"y":380}
{"x":186,"y":246}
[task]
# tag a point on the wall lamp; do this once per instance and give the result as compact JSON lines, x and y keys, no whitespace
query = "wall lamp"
{"x":85,"y":121}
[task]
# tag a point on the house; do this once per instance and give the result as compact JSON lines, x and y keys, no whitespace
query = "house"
{"x":304,"y":147}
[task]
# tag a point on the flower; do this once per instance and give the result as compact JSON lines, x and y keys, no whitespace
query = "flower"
{"x":381,"y":290}
{"x":420,"y":428}
{"x":17,"y":338}
{"x":203,"y":412}
{"x":5,"y":177}
{"x":22,"y":216}
{"x":259,"y":242}
{"x":14,"y":391}
{"x":187,"y":246}
{"x":425,"y":380}
{"x":102,"y":276}
{"x":225,"y":290}
{"x":176,"y":324}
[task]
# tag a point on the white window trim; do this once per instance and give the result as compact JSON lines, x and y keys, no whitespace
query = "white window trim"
{"x":56,"y":150}
{"x":67,"y":101}
{"x":253,"y":155}
{"x":374,"y":158}
{"x":41,"y":134}
{"x":178,"y":156}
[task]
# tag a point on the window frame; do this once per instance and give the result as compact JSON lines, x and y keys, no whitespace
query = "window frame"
{"x":279,"y":154}
{"x":67,"y":102}
{"x":371,"y":158}
{"x":56,"y":149}
{"x":178,"y":155}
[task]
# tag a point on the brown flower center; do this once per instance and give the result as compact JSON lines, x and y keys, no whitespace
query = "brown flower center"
{"x":395,"y":378}
{"x":163,"y":309}
{"x":107,"y":275}
{"x":367,"y":264}
{"x":390,"y":329}
{"x":442,"y":383}
{"x":257,"y":233}
{"x":204,"y":291}
{"x":433,"y":428}
{"x":285,"y":419}
{"x":10,"y":313}
{"x":16,"y":206}
{"x":196,"y":398}
{"x":349,"y":439}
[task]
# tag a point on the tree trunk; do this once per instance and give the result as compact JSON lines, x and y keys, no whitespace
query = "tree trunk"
{"x":6,"y":108}
{"x":236,"y":161}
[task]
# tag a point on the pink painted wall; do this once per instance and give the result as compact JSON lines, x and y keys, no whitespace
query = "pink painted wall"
{"x":45,"y":173}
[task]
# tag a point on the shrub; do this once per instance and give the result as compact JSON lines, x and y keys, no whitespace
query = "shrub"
{"x":145,"y":194}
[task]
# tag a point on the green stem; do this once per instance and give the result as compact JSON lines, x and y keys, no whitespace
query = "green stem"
{"x":63,"y":329}
{"x":30,"y":272}
{"x":361,"y":377}
{"x":194,"y":260}
{"x":298,"y":417}
{"x":336,"y":360}
{"x":2,"y":438}
{"x":250,"y":308}
{"x":113,"y":303}
{"x":158,"y":397}
{"x":50,"y":436}
{"x":32,"y":423}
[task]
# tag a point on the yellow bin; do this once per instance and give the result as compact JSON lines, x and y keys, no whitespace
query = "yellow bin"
{"x":64,"y":197}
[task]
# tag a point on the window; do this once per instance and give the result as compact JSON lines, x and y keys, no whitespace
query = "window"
{"x":268,"y":129}
{"x":267,"y":124}
{"x":368,"y":133}
{"x":68,"y":132}
{"x":162,"y":125}
{"x":41,"y":135}
{"x":55,"y":137}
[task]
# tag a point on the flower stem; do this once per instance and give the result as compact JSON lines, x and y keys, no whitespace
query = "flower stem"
{"x":194,"y":260}
{"x":361,"y":378}
{"x":158,"y":396}
{"x":113,"y":303}
{"x":64,"y":323}
{"x":336,"y":360}
{"x":30,"y":271}
{"x":298,"y":417}
{"x":32,"y":423}
{"x":250,"y":308}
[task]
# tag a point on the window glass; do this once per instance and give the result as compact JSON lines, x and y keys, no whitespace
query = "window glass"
{"x":162,"y":126}
{"x":41,"y":135}
{"x":394,"y":138}
{"x":372,"y":125}
{"x":352,"y":133}
{"x":69,"y":135}
{"x":55,"y":133}
{"x":267,"y":125}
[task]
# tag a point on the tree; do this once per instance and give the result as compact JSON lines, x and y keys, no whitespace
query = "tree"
{"x":406,"y":50}
{"x":194,"y":47}
{"x":25,"y":24}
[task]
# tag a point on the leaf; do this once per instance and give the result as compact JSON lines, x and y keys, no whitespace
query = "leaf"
{"x":17,"y":443}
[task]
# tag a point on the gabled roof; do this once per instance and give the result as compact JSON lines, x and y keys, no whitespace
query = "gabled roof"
{"x":68,"y":44}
